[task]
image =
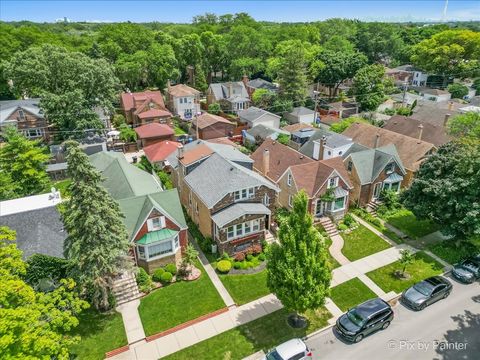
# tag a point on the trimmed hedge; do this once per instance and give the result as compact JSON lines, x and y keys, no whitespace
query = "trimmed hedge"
{"x":224,"y":266}
{"x":171,"y":268}
{"x":157,"y":275}
{"x":166,"y":277}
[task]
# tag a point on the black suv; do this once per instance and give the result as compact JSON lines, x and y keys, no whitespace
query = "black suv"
{"x":364,"y":319}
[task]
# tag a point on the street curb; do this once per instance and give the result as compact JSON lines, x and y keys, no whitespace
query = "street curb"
{"x":319,"y":330}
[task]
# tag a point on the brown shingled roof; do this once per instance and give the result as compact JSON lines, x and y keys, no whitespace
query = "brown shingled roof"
{"x":129,"y":99}
{"x":281,"y":158}
{"x":182,"y":90}
{"x":296,"y":127}
{"x":436,"y":135}
{"x":196,"y":154}
{"x":410,"y":150}
{"x":153,"y":130}
{"x":206,"y":120}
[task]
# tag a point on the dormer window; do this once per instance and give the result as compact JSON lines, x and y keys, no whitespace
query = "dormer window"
{"x":389,"y":168}
{"x":350,"y":166}
{"x":332,"y":182}
{"x":156,"y":223}
{"x":21,"y":114}
{"x":289,"y":179}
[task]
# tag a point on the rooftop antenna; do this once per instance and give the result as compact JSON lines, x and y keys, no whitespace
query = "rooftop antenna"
{"x":445,"y":8}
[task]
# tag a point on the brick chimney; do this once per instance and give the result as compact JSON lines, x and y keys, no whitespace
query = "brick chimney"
{"x":420,"y":131}
{"x":180,"y":152}
{"x":447,"y":116}
{"x":377,"y":140}
{"x":450,"y":105}
{"x":230,"y":89}
{"x":266,"y":161}
{"x":245,"y":79}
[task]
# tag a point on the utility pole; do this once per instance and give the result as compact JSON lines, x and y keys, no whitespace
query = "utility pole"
{"x":405,"y":87}
{"x":315,"y":94}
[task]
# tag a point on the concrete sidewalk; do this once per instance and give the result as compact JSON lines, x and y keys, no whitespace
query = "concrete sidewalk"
{"x":336,"y":249}
{"x":131,"y":321}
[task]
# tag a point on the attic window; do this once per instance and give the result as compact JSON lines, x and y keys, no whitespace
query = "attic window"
{"x":21,"y":114}
{"x":389,"y":168}
{"x":151,"y":104}
{"x":332,"y":182}
{"x":350,"y":166}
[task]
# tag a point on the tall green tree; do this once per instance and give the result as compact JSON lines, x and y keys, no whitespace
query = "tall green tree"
{"x":298,"y":272}
{"x":97,"y":241}
{"x":465,"y":125}
{"x":34,"y":325}
{"x":23,"y":165}
{"x":369,"y":86}
{"x":379,"y":41}
{"x":446,"y":189}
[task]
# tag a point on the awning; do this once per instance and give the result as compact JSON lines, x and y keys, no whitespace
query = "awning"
{"x":155,"y":236}
{"x":340,"y":192}
{"x":235,"y":211}
{"x":393,"y":178}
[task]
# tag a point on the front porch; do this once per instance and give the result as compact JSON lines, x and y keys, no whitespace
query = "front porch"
{"x":335,"y":208}
{"x":392,"y":182}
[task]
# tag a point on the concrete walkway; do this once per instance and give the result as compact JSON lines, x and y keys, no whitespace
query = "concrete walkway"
{"x":131,"y":321}
{"x":212,"y":274}
{"x":336,"y":249}
{"x":201,"y":331}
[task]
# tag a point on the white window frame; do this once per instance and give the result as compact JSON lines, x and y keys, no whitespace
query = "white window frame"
{"x":243,"y":229}
{"x":333,"y":184}
{"x":290,"y":200}
{"x":21,"y":114}
{"x":156,"y":223}
{"x":266,"y":200}
{"x":289,"y":179}
{"x":390,"y":168}
{"x":339,"y":209}
{"x":174,"y":245}
{"x":247,"y":193}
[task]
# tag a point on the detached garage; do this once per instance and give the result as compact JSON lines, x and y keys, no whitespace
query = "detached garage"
{"x":254,"y":116}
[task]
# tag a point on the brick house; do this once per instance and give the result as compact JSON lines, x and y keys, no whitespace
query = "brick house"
{"x":232,"y":96}
{"x":154,"y":218}
{"x":153,"y":133}
{"x":412,"y":151}
{"x":26,"y":116}
{"x":228,"y":201}
{"x":212,"y":126}
{"x":145,"y":107}
{"x":374,"y":170}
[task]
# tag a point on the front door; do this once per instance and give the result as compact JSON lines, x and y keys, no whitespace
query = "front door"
{"x":377,"y":189}
{"x":320,"y":208}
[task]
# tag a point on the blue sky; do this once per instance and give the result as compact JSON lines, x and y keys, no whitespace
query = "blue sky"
{"x":183,"y":11}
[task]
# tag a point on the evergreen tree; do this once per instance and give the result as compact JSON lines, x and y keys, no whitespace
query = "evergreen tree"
{"x":97,"y":242}
{"x":22,"y":165}
{"x":298,"y":272}
{"x":292,"y":74}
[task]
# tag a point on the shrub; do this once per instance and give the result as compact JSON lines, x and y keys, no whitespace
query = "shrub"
{"x":239,"y":256}
{"x":237,"y":265}
{"x":225,"y":256}
{"x":250,"y":264}
{"x":166,"y":277}
{"x":249,"y":251}
{"x":283,"y":139}
{"x":257,"y":249}
{"x":214,"y":109}
{"x":224,"y":266}
{"x":171,"y":268}
{"x":243,"y":265}
{"x":249,"y":257}
{"x":342,"y":227}
{"x":390,"y":199}
{"x":144,"y":281}
{"x":165,"y":179}
{"x":348,"y":220}
{"x":458,"y":91}
{"x":261,"y":257}
{"x":45,"y":267}
{"x":157,"y":274}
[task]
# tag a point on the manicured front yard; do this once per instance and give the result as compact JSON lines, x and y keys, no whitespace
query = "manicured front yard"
{"x":179,"y":302}
{"x":405,"y":221}
{"x":99,"y":334}
{"x":261,"y":334}
{"x":452,"y":251}
{"x":351,"y":293}
{"x":362,"y":242}
{"x":423,"y":267}
{"x":246,"y":287}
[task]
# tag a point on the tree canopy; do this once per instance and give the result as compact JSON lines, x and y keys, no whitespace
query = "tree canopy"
{"x":465,"y":125}
{"x":369,"y":86}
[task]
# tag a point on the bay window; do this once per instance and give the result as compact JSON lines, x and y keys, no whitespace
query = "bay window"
{"x":243,"y":229}
{"x":158,"y":249}
{"x":339,"y":204}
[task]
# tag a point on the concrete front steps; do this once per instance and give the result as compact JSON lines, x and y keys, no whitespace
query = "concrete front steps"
{"x":329,"y":226}
{"x":125,"y":288}
{"x":372,"y":207}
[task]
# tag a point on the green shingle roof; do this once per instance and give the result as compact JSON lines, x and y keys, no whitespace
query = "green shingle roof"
{"x":155,"y":236}
{"x":123,"y":180}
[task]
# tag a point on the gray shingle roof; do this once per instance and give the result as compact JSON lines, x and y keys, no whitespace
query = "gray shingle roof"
{"x":222,"y":90}
{"x":334,"y":140}
{"x":369,"y":163}
{"x":262,"y":84}
{"x":264,"y":131}
{"x":236,"y":211}
{"x":39,"y":231}
{"x":301,"y":110}
{"x":217,"y":177}
{"x":7,"y":107}
{"x":253,"y":113}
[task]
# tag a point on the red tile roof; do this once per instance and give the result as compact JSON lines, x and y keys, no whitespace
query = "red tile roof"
{"x":153,"y":113}
{"x":153,"y":130}
{"x":160,"y":151}
{"x":129,"y":99}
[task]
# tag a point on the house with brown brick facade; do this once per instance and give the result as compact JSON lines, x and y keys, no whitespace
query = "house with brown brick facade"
{"x":411,"y":151}
{"x":228,"y":201}
{"x":153,"y":133}
{"x":26,"y":116}
{"x":145,"y":107}
{"x":374,"y":170}
{"x":212,"y":126}
{"x":154,"y":218}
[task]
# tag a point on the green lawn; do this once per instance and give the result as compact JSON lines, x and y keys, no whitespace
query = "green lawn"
{"x":179,"y":302}
{"x":332,"y":260}
{"x":246,"y":287}
{"x":99,"y":333}
{"x":362,"y":242}
{"x":452,"y":251}
{"x":62,"y":186}
{"x":351,"y":293}
{"x":261,"y":334}
{"x":178,"y":130}
{"x":405,"y":221}
{"x":422,"y":267}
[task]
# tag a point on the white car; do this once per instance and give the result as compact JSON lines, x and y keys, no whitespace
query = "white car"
{"x":294,"y":349}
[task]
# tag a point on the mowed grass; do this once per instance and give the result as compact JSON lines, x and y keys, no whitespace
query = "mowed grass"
{"x":99,"y":334}
{"x":422,"y":267}
{"x":405,"y":221}
{"x":453,"y":251}
{"x":246,"y":287}
{"x":63,"y":187}
{"x":179,"y":302}
{"x":261,"y":334}
{"x":362,"y":242}
{"x":350,"y":294}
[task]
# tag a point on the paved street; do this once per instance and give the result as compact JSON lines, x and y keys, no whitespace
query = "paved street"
{"x":454,"y":322}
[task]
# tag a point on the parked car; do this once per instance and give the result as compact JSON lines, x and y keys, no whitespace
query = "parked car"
{"x":426,"y":292}
{"x":468,"y":270}
{"x":364,"y":319}
{"x":294,"y":349}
